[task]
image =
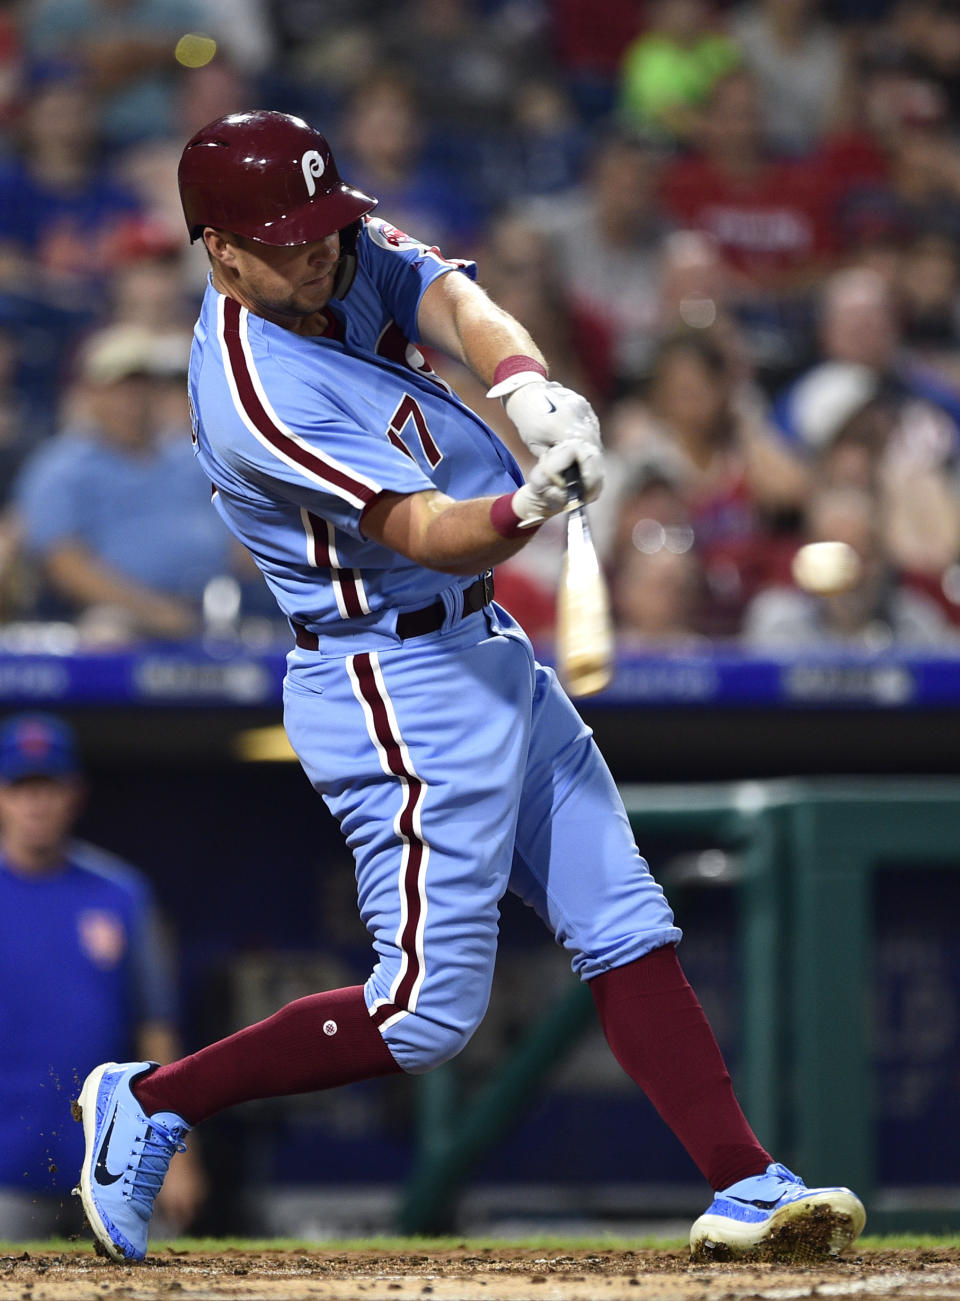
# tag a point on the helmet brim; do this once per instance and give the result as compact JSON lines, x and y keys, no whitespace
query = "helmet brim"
{"x":311,"y":221}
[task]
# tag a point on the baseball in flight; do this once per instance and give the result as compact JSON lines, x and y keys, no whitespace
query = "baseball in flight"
{"x":826,"y":568}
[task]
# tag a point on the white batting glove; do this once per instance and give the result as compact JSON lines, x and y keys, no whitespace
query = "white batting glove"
{"x":545,"y":492}
{"x":544,"y":412}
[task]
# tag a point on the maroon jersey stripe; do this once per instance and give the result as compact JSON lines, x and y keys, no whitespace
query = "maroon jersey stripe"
{"x":345,"y":579}
{"x":321,"y":546}
{"x":258,"y":416}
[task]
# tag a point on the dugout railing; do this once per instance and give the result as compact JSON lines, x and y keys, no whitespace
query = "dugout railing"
{"x":808,"y":850}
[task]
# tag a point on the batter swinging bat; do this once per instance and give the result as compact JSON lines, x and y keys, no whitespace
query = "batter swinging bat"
{"x":584,"y":629}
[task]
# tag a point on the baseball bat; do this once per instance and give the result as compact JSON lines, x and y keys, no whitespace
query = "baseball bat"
{"x":585,"y":648}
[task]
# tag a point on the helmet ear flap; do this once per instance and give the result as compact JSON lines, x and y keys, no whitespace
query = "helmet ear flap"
{"x":348,"y":259}
{"x":345,"y":273}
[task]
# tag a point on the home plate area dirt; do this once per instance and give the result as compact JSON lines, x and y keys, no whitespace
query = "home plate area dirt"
{"x":465,"y":1275}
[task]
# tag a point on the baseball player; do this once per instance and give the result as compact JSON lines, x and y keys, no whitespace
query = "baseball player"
{"x":84,"y":971}
{"x":377,"y":504}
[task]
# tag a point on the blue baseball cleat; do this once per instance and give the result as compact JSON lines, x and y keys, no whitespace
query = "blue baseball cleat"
{"x":126,"y":1158}
{"x":776,"y":1217}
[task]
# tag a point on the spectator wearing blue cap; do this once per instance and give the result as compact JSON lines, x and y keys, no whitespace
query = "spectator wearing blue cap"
{"x":84,"y":974}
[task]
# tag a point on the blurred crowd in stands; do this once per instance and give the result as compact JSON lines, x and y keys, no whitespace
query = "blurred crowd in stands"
{"x":734,"y":226}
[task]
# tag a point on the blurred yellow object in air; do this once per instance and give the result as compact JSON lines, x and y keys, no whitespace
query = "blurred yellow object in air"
{"x":194,"y":50}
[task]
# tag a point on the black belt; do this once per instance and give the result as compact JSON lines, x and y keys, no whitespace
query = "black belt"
{"x":416,"y":623}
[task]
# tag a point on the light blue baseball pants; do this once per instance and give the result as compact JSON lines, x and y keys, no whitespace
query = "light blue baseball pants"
{"x":458,"y":769}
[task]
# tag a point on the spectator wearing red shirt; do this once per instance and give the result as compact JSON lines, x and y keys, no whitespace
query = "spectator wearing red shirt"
{"x":770,"y":217}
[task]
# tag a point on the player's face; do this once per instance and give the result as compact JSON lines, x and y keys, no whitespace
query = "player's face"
{"x":36,"y":814}
{"x":284,"y":285}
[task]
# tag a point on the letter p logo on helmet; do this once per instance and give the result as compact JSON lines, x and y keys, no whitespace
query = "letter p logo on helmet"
{"x":311,"y":164}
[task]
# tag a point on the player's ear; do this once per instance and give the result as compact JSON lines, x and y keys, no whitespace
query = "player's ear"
{"x":219,"y":246}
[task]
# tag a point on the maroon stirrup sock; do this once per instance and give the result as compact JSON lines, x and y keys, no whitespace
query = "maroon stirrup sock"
{"x":661,"y":1037}
{"x":317,"y":1042}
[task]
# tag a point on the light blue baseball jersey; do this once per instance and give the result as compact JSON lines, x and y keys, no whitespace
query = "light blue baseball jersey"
{"x":454,"y":763}
{"x":298,"y":435}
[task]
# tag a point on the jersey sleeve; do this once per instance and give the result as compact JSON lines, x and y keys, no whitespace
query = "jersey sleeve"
{"x":402,"y":268}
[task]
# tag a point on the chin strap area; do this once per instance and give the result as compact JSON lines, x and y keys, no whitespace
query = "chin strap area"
{"x":345,"y":274}
{"x":348,"y":259}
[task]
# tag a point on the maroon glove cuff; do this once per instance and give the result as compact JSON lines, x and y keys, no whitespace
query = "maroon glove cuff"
{"x":514,"y":365}
{"x":506,"y":521}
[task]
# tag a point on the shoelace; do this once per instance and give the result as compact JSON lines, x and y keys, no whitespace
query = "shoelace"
{"x":786,"y":1176}
{"x":159,"y":1146}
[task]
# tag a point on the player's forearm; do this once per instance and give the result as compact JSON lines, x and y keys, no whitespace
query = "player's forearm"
{"x":457,"y":317}
{"x":433,"y":530}
{"x":461,"y":539}
{"x":488,"y":335}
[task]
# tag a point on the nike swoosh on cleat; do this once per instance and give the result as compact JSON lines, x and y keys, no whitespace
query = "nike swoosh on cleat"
{"x":550,"y":405}
{"x":100,"y":1171}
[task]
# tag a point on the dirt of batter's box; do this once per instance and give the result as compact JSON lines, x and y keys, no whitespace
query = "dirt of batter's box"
{"x":466,"y":1274}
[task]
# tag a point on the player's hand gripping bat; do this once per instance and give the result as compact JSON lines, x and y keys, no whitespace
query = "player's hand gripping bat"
{"x":585,"y":647}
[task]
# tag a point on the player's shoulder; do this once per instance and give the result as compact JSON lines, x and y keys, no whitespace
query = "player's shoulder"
{"x":285,"y":362}
{"x":241,"y":338}
{"x":379,"y":233}
{"x":266,"y":378}
{"x":109,"y":870}
{"x":379,"y":238}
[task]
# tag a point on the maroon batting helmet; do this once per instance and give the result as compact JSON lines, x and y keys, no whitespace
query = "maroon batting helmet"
{"x":268,"y":176}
